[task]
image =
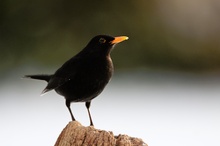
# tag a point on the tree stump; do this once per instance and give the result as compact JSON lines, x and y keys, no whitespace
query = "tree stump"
{"x":74,"y":134}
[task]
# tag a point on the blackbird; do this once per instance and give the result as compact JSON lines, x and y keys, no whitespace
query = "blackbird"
{"x":84,"y":76}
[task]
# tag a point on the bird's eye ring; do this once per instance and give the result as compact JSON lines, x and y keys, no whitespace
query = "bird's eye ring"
{"x":102,"y":40}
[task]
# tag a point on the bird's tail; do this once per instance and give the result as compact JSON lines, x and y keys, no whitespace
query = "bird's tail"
{"x":39,"y":77}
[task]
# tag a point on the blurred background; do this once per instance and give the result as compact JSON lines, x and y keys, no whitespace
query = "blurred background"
{"x":165,"y":89}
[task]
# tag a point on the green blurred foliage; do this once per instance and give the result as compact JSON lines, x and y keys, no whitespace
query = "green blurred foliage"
{"x":168,"y":35}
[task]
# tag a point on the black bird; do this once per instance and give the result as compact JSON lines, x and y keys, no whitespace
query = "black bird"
{"x":84,"y":76}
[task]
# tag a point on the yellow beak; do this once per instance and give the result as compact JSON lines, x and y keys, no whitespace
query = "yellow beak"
{"x":119,"y":39}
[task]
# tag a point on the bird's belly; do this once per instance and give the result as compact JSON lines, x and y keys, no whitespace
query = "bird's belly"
{"x":82,"y":89}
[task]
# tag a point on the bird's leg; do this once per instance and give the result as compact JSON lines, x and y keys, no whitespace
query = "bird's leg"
{"x":90,"y":117}
{"x":68,"y":106}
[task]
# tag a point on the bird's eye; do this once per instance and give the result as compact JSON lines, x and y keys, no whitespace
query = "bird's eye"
{"x":102,"y":40}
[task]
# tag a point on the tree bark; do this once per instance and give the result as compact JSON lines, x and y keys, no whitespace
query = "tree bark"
{"x":74,"y":134}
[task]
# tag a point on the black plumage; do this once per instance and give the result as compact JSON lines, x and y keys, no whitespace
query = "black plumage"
{"x":84,"y":76}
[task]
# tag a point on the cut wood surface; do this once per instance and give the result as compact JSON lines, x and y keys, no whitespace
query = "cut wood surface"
{"x":74,"y":134}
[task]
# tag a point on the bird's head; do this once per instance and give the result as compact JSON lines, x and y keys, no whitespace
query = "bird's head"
{"x":103,"y":43}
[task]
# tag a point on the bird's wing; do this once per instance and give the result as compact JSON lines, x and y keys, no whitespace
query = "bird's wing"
{"x":64,"y":74}
{"x":54,"y":83}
